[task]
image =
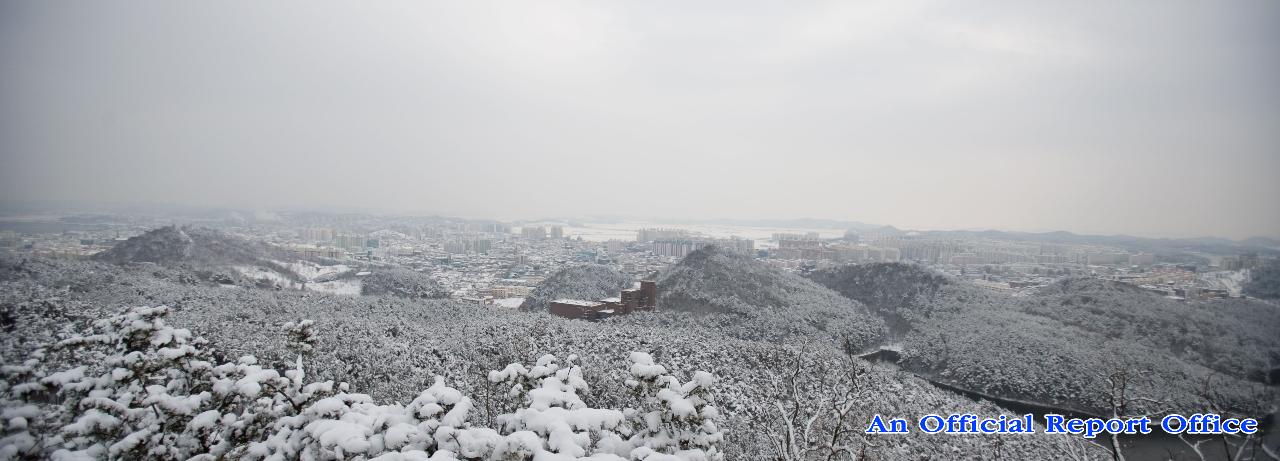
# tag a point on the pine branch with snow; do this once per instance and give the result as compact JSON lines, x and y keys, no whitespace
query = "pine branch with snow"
{"x":141,"y":389}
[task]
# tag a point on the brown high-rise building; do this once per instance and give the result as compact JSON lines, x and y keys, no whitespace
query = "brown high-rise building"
{"x":630,"y":300}
{"x":648,"y":294}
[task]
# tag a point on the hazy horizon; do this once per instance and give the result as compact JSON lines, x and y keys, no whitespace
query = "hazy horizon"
{"x":159,"y":209}
{"x":1157,"y":119}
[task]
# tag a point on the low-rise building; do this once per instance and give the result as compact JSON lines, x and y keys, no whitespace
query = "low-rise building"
{"x":641,"y":298}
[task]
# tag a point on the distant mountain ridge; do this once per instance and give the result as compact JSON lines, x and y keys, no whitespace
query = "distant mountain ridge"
{"x":797,"y":223}
{"x":1216,"y":245}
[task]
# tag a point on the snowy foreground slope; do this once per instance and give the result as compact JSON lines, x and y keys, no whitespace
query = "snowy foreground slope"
{"x":390,"y":349}
{"x":139,"y":388}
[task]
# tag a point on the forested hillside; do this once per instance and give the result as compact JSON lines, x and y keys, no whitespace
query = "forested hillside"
{"x":174,"y":245}
{"x":405,"y":283}
{"x":392,"y":347}
{"x":751,"y":300}
{"x":587,"y":282}
{"x":1264,"y":281}
{"x":895,"y":291}
{"x":1061,"y":345}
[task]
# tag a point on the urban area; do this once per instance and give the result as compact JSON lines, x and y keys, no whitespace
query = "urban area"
{"x":493,"y":263}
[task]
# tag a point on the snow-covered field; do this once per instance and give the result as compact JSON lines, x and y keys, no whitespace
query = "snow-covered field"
{"x":509,"y":303}
{"x":258,"y":273}
{"x":1232,"y":281}
{"x":349,"y":287}
{"x":310,"y":273}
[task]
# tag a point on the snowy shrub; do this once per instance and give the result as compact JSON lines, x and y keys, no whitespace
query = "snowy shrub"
{"x":301,"y":337}
{"x":141,"y":389}
{"x":680,"y":418}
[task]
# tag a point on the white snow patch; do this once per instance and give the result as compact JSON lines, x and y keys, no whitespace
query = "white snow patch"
{"x":509,"y":303}
{"x":337,"y":287}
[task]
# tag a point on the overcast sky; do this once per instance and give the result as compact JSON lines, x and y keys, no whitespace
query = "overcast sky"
{"x":1157,"y":118}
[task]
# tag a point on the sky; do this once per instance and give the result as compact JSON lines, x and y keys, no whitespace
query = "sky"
{"x":1154,"y":118}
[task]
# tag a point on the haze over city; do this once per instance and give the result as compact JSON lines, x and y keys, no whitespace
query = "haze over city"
{"x":1145,"y":118}
{"x":646,"y":230}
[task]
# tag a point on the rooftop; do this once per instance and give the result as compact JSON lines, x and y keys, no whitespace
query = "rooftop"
{"x":577,"y":302}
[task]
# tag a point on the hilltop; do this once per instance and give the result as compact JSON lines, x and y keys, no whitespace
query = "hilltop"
{"x":900,"y":293}
{"x":172,"y":245}
{"x":401,"y":282}
{"x":759,"y":301}
{"x":882,"y":285}
{"x":203,"y":255}
{"x":588,"y":282}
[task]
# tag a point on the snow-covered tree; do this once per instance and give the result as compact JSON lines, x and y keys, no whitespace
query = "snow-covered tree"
{"x":134,"y":387}
{"x":681,"y":419}
{"x":301,"y":336}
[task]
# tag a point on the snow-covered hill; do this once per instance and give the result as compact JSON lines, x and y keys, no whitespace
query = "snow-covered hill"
{"x":1059,"y":345}
{"x":174,"y":245}
{"x":587,"y":282}
{"x":758,"y":301}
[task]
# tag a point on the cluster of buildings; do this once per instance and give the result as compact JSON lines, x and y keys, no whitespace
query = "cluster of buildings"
{"x":641,"y":298}
{"x":541,"y":232}
{"x":498,"y":265}
{"x":1177,"y":281}
{"x":679,"y":248}
{"x":810,"y":247}
{"x":312,"y":252}
{"x":960,"y":252}
{"x":678,"y":243}
{"x":1239,"y":262}
{"x":489,"y":261}
{"x":520,"y":289}
{"x":335,"y":244}
{"x":649,"y":235}
{"x":64,"y":244}
{"x":473,"y":245}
